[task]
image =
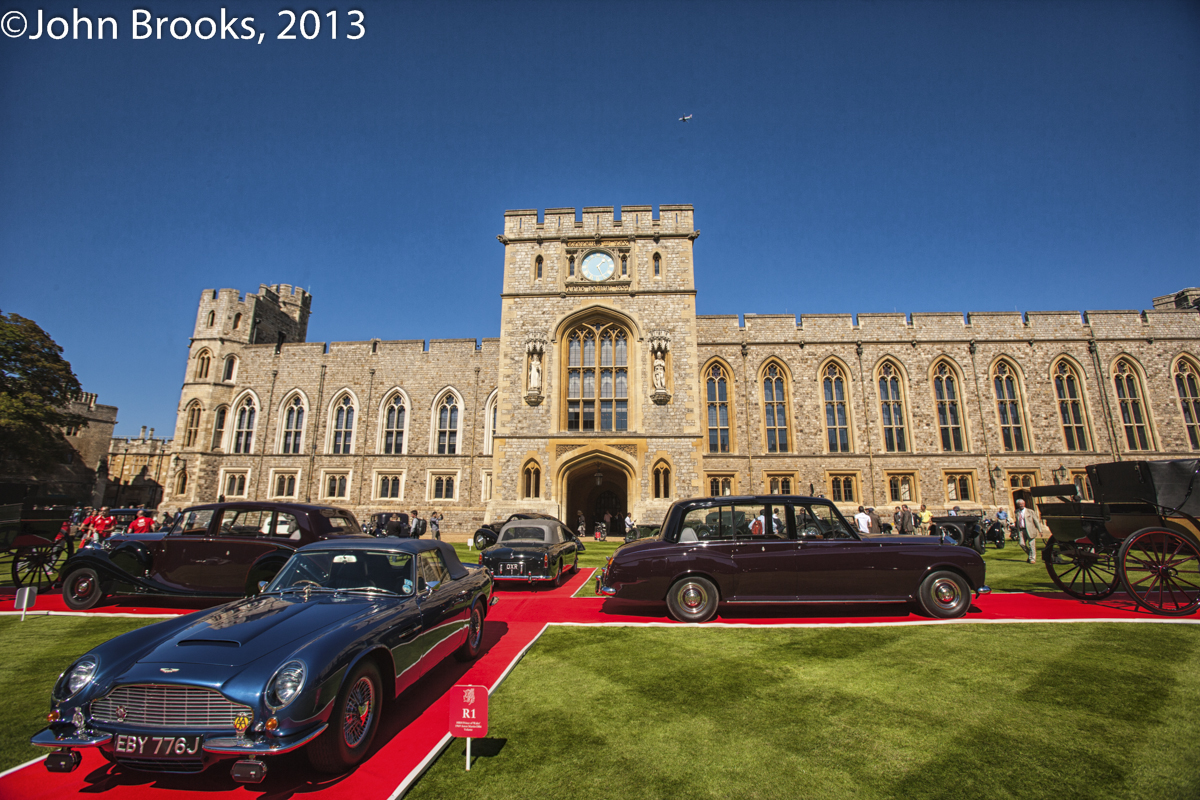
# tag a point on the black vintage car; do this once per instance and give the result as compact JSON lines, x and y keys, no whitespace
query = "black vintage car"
{"x":489,"y":532}
{"x":533,"y":550}
{"x":785,"y":549}
{"x":218,"y":550}
{"x":312,"y":662}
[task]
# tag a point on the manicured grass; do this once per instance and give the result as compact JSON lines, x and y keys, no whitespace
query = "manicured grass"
{"x":974,"y":711}
{"x":36,"y":652}
{"x":1009,"y":571}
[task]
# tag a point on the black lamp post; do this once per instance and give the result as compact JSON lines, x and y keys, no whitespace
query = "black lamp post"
{"x":1060,"y":474}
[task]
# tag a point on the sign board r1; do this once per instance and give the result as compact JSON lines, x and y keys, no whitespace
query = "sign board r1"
{"x":469,"y":711}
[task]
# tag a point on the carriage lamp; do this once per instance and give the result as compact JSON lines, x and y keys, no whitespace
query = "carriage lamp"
{"x":1060,"y":474}
{"x":599,"y":476}
{"x":997,"y":473}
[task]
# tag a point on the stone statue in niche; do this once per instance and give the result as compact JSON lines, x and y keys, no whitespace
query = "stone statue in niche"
{"x":660,"y":373}
{"x":535,"y":372}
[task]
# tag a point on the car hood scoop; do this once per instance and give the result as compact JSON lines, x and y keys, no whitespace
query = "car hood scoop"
{"x":238,"y":633}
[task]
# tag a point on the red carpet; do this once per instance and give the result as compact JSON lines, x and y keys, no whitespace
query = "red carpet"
{"x":414,"y":731}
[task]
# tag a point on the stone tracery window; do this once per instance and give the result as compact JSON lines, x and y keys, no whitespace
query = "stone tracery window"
{"x":243,"y":433}
{"x":533,"y":482}
{"x":1188,"y":386}
{"x":203,"y":360}
{"x":598,"y":378}
{"x":662,"y":481}
{"x":945,"y":391}
{"x":718,"y":409}
{"x":343,"y":426}
{"x":1070,"y":406}
{"x":1008,"y":408}
{"x":775,"y":409}
{"x":191,"y":427}
{"x":837,"y":426}
{"x":447,"y":425}
{"x":891,"y":409}
{"x":393,"y":426}
{"x":218,"y":437}
{"x":293,"y":425}
{"x":1129,"y":400}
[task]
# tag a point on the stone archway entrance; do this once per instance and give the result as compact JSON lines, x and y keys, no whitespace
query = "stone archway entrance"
{"x":596,"y":487}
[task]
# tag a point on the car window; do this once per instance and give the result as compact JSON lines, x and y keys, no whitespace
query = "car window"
{"x":717,"y":523}
{"x":766,"y":522}
{"x":343,"y":525}
{"x":821,"y":522}
{"x":245,"y":522}
{"x":193,"y":523}
{"x":359,"y":569}
{"x":522,"y":533}
{"x":286,"y":526}
{"x":433,"y":571}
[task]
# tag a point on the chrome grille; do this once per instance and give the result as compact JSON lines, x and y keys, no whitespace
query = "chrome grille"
{"x":151,"y":705}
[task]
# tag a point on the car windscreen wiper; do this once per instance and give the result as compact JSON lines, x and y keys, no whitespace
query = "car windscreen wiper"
{"x":372,"y":589}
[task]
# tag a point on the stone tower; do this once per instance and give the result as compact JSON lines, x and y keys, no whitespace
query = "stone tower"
{"x":226,"y":322}
{"x":597,"y":399}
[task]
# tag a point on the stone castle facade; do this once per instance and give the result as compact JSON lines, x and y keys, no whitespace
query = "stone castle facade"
{"x":606,"y":391}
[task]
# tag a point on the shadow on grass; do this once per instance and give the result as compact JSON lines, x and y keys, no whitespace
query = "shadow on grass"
{"x":824,"y":611}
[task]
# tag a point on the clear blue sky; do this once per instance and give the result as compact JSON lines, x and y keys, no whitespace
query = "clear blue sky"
{"x":842,"y":157}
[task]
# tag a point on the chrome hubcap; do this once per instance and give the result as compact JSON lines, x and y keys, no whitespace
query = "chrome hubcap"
{"x":359,"y":704}
{"x":946,"y":593}
{"x":692,"y":596}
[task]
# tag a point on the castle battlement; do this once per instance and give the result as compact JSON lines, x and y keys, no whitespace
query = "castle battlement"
{"x":592,"y":220}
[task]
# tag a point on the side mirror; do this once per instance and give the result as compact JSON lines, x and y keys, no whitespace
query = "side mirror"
{"x":580,"y":545}
{"x":262,"y":585}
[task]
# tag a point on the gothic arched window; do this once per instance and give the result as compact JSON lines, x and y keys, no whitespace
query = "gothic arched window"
{"x":393,"y":426}
{"x":293,"y":425}
{"x":1067,"y":388}
{"x":718,"y":409}
{"x":191,"y":427}
{"x":662,"y":482}
{"x":1129,"y":400}
{"x":212,"y":319}
{"x":343,"y":426}
{"x":1008,"y":408}
{"x":181,"y":481}
{"x":598,"y":378}
{"x":945,"y":392}
{"x":533,"y":482}
{"x":891,"y":408}
{"x":447,"y":426}
{"x":657,"y":265}
{"x":243,"y":433}
{"x":775,"y":409}
{"x":230,"y":368}
{"x":837,"y":425}
{"x":218,"y":437}
{"x":202,"y":363}
{"x":1188,"y":387}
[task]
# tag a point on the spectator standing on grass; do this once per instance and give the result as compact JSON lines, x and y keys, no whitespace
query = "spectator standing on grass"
{"x":862,"y":521}
{"x":876,"y":525}
{"x":435,"y":525}
{"x":1028,"y":530}
{"x":906,"y":520}
{"x":628,"y":523}
{"x":926,"y":520}
{"x":1002,"y":518}
{"x":607,"y":524}
{"x":896,"y":520}
{"x":143,"y":523}
{"x":418,"y":524}
{"x":397,"y":526}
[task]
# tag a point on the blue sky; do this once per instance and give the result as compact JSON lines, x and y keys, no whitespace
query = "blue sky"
{"x":843,"y":157}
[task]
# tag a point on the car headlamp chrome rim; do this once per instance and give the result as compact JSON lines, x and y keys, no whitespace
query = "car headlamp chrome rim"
{"x":287,"y":684}
{"x":77,"y":678}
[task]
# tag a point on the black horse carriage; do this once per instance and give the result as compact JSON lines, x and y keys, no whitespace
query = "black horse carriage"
{"x":34,"y":537}
{"x":1139,"y":535}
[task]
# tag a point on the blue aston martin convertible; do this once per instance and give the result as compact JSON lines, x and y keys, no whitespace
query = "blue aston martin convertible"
{"x":306,"y":663}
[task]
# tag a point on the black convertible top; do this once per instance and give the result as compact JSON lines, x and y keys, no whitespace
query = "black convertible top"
{"x":387,"y":543}
{"x":1170,"y":485}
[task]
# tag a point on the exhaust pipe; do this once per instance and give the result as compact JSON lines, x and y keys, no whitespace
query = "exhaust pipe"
{"x":249,"y":771}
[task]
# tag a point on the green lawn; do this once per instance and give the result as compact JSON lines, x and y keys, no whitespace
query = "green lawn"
{"x":989,"y":711}
{"x":35,"y":652}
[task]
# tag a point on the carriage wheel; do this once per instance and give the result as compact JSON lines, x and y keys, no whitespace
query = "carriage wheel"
{"x":1160,"y":569}
{"x":1080,"y":570}
{"x":36,"y":566}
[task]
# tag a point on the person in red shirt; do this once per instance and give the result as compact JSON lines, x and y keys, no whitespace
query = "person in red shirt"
{"x":103,"y":524}
{"x":143,"y":523}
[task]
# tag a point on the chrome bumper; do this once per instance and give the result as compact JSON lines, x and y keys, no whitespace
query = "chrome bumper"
{"x":260,"y":745}
{"x":607,"y":591}
{"x":982,"y":590}
{"x":70,"y":738}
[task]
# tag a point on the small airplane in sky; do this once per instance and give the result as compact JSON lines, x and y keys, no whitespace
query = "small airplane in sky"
{"x":685,"y":119}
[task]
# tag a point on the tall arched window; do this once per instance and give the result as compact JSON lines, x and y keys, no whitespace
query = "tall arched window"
{"x":191,"y":427}
{"x":1008,"y":407}
{"x":237,"y":321}
{"x":218,"y":437}
{"x":1067,"y":388}
{"x":243,"y":432}
{"x":1188,"y":387}
{"x":598,"y":378}
{"x":212,"y":319}
{"x":533,"y":481}
{"x":230,"y":368}
{"x":945,"y":392}
{"x":393,"y":426}
{"x":657,"y":265}
{"x":837,"y":426}
{"x":891,"y":409}
{"x":181,"y":481}
{"x":203,"y":360}
{"x":490,"y":414}
{"x":293,"y":425}
{"x":447,"y":430}
{"x":662,"y":481}
{"x":775,"y":409}
{"x":537,"y":268}
{"x":718,"y":409}
{"x":343,"y":426}
{"x":1129,"y":400}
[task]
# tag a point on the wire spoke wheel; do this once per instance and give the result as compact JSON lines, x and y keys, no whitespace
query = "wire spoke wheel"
{"x":359,"y":710}
{"x":1160,"y":569}
{"x":37,"y":566}
{"x":1080,"y":569}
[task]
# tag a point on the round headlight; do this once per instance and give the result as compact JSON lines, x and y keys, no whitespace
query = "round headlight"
{"x":286,"y":684}
{"x":76,"y":678}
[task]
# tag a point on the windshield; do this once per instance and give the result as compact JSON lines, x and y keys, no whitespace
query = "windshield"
{"x":524,"y":534}
{"x":342,"y":570}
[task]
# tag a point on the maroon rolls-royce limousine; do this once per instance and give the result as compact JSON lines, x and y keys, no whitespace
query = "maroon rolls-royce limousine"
{"x":785,"y":549}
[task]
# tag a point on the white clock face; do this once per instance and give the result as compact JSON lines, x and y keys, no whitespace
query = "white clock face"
{"x":597,"y":266}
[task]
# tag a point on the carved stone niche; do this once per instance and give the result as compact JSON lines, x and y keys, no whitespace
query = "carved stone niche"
{"x":660,"y":344}
{"x":535,"y":349}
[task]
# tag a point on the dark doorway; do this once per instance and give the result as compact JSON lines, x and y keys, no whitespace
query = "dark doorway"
{"x":594,"y":488}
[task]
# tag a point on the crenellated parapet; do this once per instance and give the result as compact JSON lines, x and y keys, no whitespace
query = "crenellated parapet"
{"x":671,"y":220}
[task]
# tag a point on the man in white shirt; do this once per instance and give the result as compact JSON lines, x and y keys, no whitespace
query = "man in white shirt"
{"x":1028,"y":529}
{"x":863,"y":521}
